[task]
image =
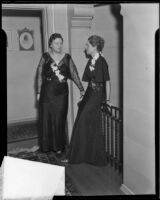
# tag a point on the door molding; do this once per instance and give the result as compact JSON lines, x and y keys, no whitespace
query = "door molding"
{"x":48,"y":26}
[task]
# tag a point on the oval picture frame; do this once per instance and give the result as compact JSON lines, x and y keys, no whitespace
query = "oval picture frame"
{"x":26,"y":40}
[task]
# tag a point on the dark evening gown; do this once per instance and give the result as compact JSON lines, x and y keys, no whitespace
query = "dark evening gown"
{"x":53,"y":102}
{"x":87,"y":141}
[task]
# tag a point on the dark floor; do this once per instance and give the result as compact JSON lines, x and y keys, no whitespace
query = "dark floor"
{"x":92,"y":180}
{"x":81,"y":179}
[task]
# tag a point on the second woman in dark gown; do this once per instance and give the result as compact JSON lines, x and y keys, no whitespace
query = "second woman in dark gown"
{"x":53,"y":89}
{"x":87,"y":142}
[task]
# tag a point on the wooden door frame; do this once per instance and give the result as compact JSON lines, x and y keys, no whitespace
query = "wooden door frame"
{"x":46,"y":23}
{"x":47,"y":18}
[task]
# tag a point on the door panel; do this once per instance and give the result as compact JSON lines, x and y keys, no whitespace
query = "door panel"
{"x":21,"y":68}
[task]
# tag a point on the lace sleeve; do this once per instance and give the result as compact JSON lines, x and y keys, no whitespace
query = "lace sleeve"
{"x":39,"y":73}
{"x":74,"y":74}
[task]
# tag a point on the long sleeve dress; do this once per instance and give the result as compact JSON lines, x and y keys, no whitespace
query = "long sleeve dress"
{"x":53,"y":102}
{"x":87,"y":142}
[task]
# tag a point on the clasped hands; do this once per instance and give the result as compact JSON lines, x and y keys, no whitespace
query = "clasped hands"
{"x":82,"y":94}
{"x":81,"y":97}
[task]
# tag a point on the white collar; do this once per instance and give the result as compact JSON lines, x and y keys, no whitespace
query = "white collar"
{"x":96,"y":56}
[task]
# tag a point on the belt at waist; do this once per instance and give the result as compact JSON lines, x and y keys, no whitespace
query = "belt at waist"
{"x":48,"y":79}
{"x":93,"y":84}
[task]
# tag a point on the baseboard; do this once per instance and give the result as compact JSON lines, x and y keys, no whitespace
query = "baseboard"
{"x":20,"y":122}
{"x":126,"y":190}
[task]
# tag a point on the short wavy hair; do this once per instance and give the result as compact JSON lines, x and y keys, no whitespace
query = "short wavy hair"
{"x":53,"y":37}
{"x":97,"y":41}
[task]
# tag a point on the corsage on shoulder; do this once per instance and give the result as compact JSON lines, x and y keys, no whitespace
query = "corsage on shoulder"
{"x":93,"y":61}
{"x":57,"y":72}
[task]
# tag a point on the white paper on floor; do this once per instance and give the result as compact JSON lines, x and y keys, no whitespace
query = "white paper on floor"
{"x":24,"y":179}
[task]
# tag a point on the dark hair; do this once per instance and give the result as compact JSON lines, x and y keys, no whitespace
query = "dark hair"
{"x":53,"y":37}
{"x":97,"y":41}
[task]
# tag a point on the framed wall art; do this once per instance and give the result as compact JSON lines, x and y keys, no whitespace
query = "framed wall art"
{"x":26,"y":39}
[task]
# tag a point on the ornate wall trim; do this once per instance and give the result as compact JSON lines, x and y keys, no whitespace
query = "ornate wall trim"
{"x":82,"y":15}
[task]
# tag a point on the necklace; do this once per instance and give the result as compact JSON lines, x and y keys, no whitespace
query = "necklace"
{"x":93,"y":61}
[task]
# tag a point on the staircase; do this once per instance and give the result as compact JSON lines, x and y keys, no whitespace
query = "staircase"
{"x":113,"y":133}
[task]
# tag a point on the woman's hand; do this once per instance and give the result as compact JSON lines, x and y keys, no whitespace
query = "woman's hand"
{"x":38,"y":96}
{"x":81,"y":97}
{"x":109,"y":103}
{"x":82,"y":94}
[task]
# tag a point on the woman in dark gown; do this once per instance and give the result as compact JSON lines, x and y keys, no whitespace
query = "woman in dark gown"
{"x":87,"y":142}
{"x":54,"y":68}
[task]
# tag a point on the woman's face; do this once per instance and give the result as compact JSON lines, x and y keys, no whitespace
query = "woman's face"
{"x":57,"y":45}
{"x":89,"y":48}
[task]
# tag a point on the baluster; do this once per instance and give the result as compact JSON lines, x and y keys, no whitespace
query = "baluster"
{"x":106,"y":134}
{"x":110,"y":142}
{"x":104,"y":129}
{"x":114,"y":137}
{"x":120,"y":144}
{"x":112,"y":131}
{"x":103,"y":124}
{"x":111,"y":154}
{"x":116,"y":142}
{"x":108,"y":138}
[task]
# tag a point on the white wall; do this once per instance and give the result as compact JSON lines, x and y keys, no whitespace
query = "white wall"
{"x":78,"y":39}
{"x":21,"y":69}
{"x":104,"y":24}
{"x":62,"y":26}
{"x":79,"y":18}
{"x":140,"y":23}
{"x":21,"y":66}
{"x":61,"y":23}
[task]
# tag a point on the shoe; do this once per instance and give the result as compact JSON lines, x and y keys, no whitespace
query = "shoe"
{"x":59,"y":152}
{"x":64,"y":161}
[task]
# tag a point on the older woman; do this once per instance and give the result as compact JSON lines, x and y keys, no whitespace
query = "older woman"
{"x":87,"y":142}
{"x":54,"y":68}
